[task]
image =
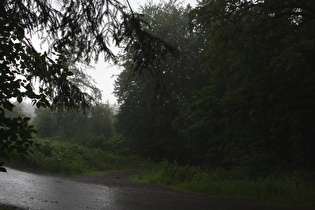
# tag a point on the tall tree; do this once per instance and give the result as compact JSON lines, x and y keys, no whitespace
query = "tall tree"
{"x":152,"y":100}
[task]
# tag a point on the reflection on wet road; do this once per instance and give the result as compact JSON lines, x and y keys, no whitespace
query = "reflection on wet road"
{"x":32,"y":191}
{"x":45,"y":192}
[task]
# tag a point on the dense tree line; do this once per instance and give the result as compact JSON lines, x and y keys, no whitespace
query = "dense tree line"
{"x":91,"y":128}
{"x":239,"y":93}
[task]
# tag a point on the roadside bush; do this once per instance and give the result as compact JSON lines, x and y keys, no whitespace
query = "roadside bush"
{"x":117,"y":145}
{"x":90,"y":140}
{"x":70,"y":158}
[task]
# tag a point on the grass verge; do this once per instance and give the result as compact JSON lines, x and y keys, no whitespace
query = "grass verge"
{"x":295,"y":188}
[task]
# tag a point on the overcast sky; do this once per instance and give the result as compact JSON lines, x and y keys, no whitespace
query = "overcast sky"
{"x":105,"y":74}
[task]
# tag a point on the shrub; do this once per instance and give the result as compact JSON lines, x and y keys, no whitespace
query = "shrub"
{"x":71,"y":158}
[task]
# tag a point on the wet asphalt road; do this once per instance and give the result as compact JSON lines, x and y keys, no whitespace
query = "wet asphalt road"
{"x":112,"y":191}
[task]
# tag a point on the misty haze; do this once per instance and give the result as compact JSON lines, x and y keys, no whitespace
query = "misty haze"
{"x":215,"y":105}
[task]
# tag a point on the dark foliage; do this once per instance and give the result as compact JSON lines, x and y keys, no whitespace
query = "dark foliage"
{"x":252,"y":103}
{"x":258,"y":109}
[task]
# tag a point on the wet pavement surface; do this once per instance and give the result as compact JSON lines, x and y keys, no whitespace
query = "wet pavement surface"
{"x":112,"y":190}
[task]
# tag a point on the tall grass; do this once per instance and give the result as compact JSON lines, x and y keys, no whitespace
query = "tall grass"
{"x":295,"y":188}
{"x":70,"y":158}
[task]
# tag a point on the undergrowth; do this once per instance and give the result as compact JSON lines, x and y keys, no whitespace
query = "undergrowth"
{"x":295,"y":188}
{"x":70,"y":158}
